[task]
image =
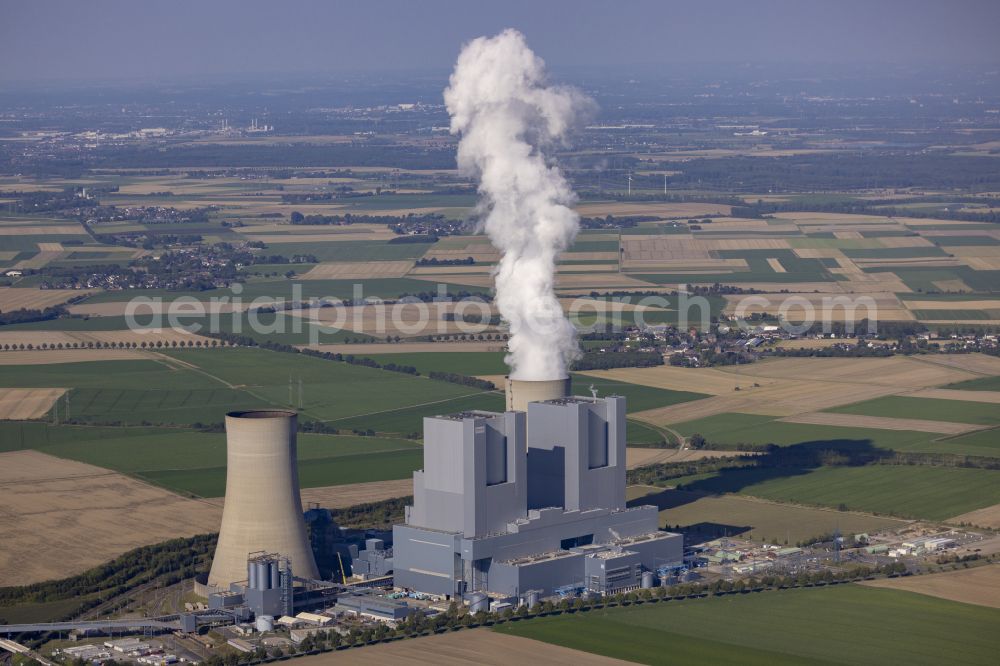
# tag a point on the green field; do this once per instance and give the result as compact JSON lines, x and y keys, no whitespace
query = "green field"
{"x":956,"y":315}
{"x":903,"y":407}
{"x":764,"y":522}
{"x":982,"y":384}
{"x":227,"y":379}
{"x":463,"y":363}
{"x":932,"y":493}
{"x":331,"y":390}
{"x":409,"y":420}
{"x":334,"y":471}
{"x":194,"y":462}
{"x":730,"y":430}
{"x":845,"y":624}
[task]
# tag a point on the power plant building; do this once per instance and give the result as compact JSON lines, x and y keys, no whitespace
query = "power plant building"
{"x":527,"y":503}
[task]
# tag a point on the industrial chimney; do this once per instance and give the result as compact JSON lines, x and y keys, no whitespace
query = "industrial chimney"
{"x":263,"y":510}
{"x":521,"y":391}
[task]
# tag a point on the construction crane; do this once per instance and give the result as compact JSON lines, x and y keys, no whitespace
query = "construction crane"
{"x":343,"y":576}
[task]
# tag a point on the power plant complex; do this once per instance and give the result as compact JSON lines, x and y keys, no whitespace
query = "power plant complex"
{"x":529,"y":502}
{"x":509,"y":507}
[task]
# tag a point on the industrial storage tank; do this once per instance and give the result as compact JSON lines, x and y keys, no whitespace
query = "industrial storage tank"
{"x":522,"y":391}
{"x":479,"y":602}
{"x":532,"y":598}
{"x":647,"y":580}
{"x":265,"y":623}
{"x":263,"y":510}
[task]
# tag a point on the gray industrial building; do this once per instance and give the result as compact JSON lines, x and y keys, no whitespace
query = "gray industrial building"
{"x":521,"y":504}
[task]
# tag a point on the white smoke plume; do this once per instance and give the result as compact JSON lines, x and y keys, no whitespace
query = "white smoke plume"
{"x":507,"y":116}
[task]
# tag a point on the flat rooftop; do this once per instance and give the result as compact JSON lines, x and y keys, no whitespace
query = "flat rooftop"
{"x":577,"y":400}
{"x":470,"y":414}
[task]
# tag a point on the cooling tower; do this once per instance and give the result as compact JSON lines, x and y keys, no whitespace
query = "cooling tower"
{"x":263,"y":510}
{"x":521,"y":392}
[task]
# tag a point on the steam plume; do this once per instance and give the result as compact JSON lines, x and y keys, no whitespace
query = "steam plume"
{"x":507,"y":116}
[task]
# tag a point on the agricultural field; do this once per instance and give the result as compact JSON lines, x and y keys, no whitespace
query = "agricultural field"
{"x":133,"y":428}
{"x":752,"y":518}
{"x":728,"y":430}
{"x":785,"y":627}
{"x":980,"y":585}
{"x":193,"y":463}
{"x":480,"y":646}
{"x":93,"y":513}
{"x":902,"y":407}
{"x":923,"y":492}
{"x":194,"y":386}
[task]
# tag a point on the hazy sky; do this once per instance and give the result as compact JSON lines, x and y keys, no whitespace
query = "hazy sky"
{"x":156,"y":39}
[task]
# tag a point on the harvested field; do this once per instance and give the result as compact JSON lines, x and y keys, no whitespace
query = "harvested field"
{"x":954,"y":394}
{"x":897,"y":371}
{"x":785,"y":398}
{"x":476,"y":646}
{"x":408,"y":347}
{"x":40,"y":260}
{"x":23,"y":404}
{"x":42,"y":230}
{"x":349,"y":270}
{"x":986,"y":517}
{"x":776,"y":265}
{"x":337,"y":497}
{"x":639,"y":457}
{"x":50,"y":356}
{"x":150,"y":336}
{"x":785,"y":387}
{"x":979,"y":586}
{"x":978,"y":364}
{"x":991,"y":304}
{"x":698,"y":380}
{"x":481,"y":269}
{"x":587,"y":268}
{"x":645,"y":251}
{"x":882,"y":422}
{"x":17,"y":298}
{"x":92,"y":514}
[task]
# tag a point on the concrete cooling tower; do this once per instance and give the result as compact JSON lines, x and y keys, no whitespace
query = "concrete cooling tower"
{"x":521,"y":392}
{"x":263,"y":510}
